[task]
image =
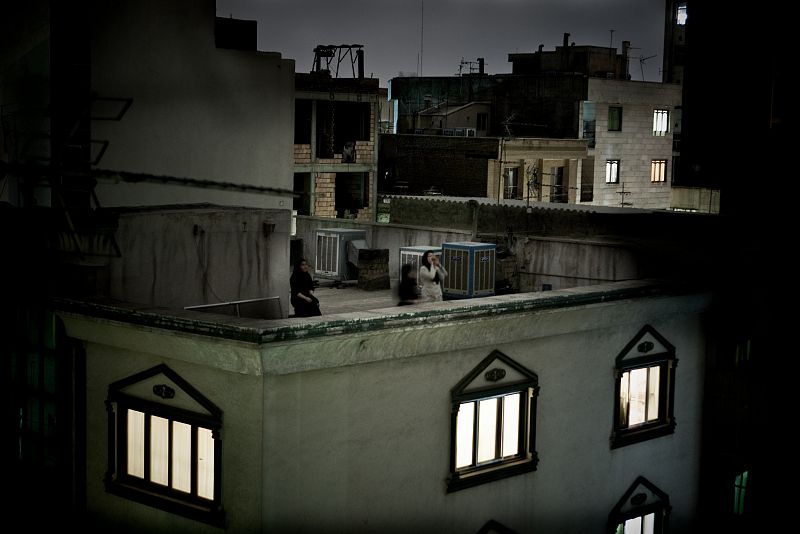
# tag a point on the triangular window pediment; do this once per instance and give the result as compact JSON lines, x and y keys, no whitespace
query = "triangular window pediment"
{"x":162,"y":385}
{"x":646,"y":344}
{"x":496,"y":371}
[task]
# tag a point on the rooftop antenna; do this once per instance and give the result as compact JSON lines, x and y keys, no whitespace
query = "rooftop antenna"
{"x":421,"y":35}
{"x":641,"y":62}
{"x":612,"y":38}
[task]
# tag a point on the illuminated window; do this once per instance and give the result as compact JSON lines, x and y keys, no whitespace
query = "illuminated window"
{"x":680,"y":14}
{"x":161,"y":453}
{"x":641,"y":510}
{"x":493,"y":423}
{"x":612,"y":171}
{"x":614,"y":118}
{"x":739,"y":486}
{"x":660,"y":122}
{"x":645,"y":386}
{"x":658,"y":170}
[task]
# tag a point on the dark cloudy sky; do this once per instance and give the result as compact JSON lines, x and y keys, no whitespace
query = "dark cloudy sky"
{"x":453,"y":30}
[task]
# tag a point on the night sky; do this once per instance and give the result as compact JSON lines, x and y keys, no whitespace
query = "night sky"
{"x":453,"y":30}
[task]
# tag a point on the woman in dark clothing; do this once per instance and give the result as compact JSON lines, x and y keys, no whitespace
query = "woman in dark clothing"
{"x":408,"y":291}
{"x":304,"y":302}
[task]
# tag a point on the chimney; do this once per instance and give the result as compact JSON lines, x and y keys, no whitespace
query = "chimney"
{"x":541,"y":46}
{"x":566,"y":39}
{"x":626,"y":47}
{"x":480,"y":65}
{"x":360,"y":57}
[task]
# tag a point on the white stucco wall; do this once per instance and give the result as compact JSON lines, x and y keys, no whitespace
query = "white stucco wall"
{"x":198,"y":112}
{"x":365,"y":448}
{"x":635,"y":146}
{"x":350,"y":432}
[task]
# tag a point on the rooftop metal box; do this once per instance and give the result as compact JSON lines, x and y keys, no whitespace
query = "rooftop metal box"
{"x":332,"y":258}
{"x":413,"y":255}
{"x":470,"y":269}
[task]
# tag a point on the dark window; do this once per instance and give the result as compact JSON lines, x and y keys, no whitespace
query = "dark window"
{"x":614,"y":118}
{"x":482,"y":121}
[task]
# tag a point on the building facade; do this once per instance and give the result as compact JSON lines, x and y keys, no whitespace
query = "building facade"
{"x":393,"y":421}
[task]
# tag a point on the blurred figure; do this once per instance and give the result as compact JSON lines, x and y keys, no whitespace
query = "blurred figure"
{"x":408,"y":290}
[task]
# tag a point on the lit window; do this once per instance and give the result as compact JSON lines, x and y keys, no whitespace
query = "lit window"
{"x":614,"y":118}
{"x":641,"y":510}
{"x":681,"y":15}
{"x":511,"y":189}
{"x":660,"y":122}
{"x":493,"y":423}
{"x":645,"y":385}
{"x":612,"y":171}
{"x":658,"y":170}
{"x":739,"y":486}
{"x":163,"y":454}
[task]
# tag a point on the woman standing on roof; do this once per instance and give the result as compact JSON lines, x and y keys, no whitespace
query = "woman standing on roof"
{"x":431,"y":277}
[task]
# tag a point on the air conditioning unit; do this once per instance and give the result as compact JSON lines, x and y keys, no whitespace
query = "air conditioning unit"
{"x":470,"y":132}
{"x":332,"y":252}
{"x":470,"y":269}
{"x":413,"y":255}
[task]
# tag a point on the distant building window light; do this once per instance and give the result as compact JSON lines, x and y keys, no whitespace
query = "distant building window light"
{"x":612,"y":171}
{"x":660,"y":122}
{"x":680,"y":16}
{"x":658,"y":170}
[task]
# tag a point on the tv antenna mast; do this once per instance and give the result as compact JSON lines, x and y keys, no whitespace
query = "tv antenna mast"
{"x":641,"y":62}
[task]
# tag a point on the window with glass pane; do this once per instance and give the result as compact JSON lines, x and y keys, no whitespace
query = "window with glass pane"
{"x":168,"y":457}
{"x":739,"y":487}
{"x":645,"y":386}
{"x":660,"y":122}
{"x":658,"y":170}
{"x":638,"y":525}
{"x":614,"y":118}
{"x":612,"y":171}
{"x":493,"y":423}
{"x":487,"y":430}
{"x":641,"y":510}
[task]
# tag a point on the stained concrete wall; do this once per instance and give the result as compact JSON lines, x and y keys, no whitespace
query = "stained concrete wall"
{"x":198,"y":112}
{"x":185,"y":257}
{"x":343,"y":424}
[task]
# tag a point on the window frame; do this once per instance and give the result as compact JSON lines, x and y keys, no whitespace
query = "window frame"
{"x":658,"y":166}
{"x":613,"y":162}
{"x":634,"y":504}
{"x":527,"y":458}
{"x":661,"y":117}
{"x":144,"y":491}
{"x":618,"y":126}
{"x":624,"y":434}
